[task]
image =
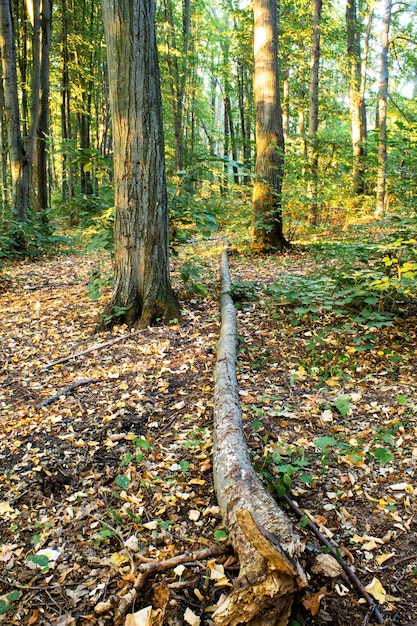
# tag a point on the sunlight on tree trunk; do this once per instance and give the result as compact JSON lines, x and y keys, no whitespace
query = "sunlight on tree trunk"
{"x":269,"y":168}
{"x":382,"y":113}
{"x":20,"y":152}
{"x":142,"y":290}
{"x":356,"y":97}
{"x":313,"y":148}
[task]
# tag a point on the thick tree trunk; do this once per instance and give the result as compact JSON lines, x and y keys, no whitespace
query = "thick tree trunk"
{"x":142,"y":290}
{"x":269,"y":169}
{"x":261,"y":534}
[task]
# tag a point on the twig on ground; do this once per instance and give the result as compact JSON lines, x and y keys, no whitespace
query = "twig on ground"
{"x":122,"y":605}
{"x":374,"y":611}
{"x":99,"y":346}
{"x":77,"y":383}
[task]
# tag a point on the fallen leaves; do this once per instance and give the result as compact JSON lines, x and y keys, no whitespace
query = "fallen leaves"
{"x":60,"y":464}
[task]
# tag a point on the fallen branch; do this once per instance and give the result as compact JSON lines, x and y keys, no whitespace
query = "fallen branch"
{"x":121,"y":605}
{"x":333,"y":549}
{"x":99,"y":346}
{"x":262,"y":535}
{"x":78,"y":383}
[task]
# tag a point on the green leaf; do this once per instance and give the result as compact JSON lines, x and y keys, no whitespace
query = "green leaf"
{"x":141,"y":442}
{"x":41,"y":560}
{"x":116,"y":516}
{"x":383,"y":455}
{"x":122,"y":481}
{"x":342,"y":404}
{"x":126,"y":459}
{"x":7,"y":600}
{"x":219,"y":535}
{"x":303,"y":521}
{"x":184,"y":465}
{"x":36,"y":539}
{"x":257,"y":425}
{"x":305,"y":478}
{"x":401,"y":399}
{"x":325,"y":442}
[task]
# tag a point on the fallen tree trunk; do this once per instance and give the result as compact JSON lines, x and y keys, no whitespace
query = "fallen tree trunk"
{"x":262,"y":535}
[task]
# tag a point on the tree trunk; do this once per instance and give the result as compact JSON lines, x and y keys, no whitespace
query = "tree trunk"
{"x":177,"y":62}
{"x":18,"y":164}
{"x":262,"y":536}
{"x":356,"y":97}
{"x":382,"y":112}
{"x":3,"y":149}
{"x":142,"y":290}
{"x":267,"y":209}
{"x":313,"y":154}
{"x":40,"y":174}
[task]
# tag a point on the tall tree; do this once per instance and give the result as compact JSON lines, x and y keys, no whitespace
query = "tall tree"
{"x":142,"y":290}
{"x":356,"y":96}
{"x":313,"y":124}
{"x":40,"y":174}
{"x":177,"y":51}
{"x":267,"y":208}
{"x":382,"y":111}
{"x":20,"y":151}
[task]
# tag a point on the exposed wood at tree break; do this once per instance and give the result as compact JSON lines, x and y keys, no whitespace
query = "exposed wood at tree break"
{"x":261,"y":534}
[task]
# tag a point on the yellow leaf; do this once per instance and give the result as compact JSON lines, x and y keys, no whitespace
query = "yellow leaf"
{"x":5,"y":508}
{"x":381,"y":558}
{"x":376,"y":590}
{"x":140,"y":618}
{"x":118,"y":559}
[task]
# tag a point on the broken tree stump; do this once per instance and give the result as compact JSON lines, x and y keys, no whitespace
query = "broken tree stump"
{"x":261,"y":534}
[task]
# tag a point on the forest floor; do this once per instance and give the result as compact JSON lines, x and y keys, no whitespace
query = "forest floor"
{"x":118,"y":469}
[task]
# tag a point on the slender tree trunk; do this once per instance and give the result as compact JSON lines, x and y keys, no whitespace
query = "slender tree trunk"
{"x":67,"y":185}
{"x":313,"y":125}
{"x":382,"y":112}
{"x":40,"y":173}
{"x":142,"y":290}
{"x":3,"y":148}
{"x":356,"y":96}
{"x":177,"y":61}
{"x":286,"y":104}
{"x":267,"y":208}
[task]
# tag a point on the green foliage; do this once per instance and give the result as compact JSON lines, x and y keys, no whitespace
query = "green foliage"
{"x":192,"y":212}
{"x":7,"y":600}
{"x":30,"y":239}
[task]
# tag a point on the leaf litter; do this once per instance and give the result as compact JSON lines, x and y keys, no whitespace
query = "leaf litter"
{"x":117,"y":471}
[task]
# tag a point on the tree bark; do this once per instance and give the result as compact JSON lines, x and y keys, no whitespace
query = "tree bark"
{"x":142,"y":290}
{"x":269,"y":168}
{"x":262,"y":536}
{"x":382,"y":112}
{"x":313,"y":125}
{"x":356,"y":97}
{"x":40,"y":174}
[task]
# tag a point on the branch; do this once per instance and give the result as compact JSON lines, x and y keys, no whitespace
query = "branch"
{"x":78,"y":383}
{"x":98,"y":346}
{"x":335,"y":553}
{"x":122,"y":605}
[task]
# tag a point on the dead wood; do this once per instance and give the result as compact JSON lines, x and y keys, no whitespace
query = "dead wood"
{"x":335,"y":552}
{"x":262,"y":535}
{"x":77,"y":383}
{"x":99,"y":346}
{"x":121,"y":605}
